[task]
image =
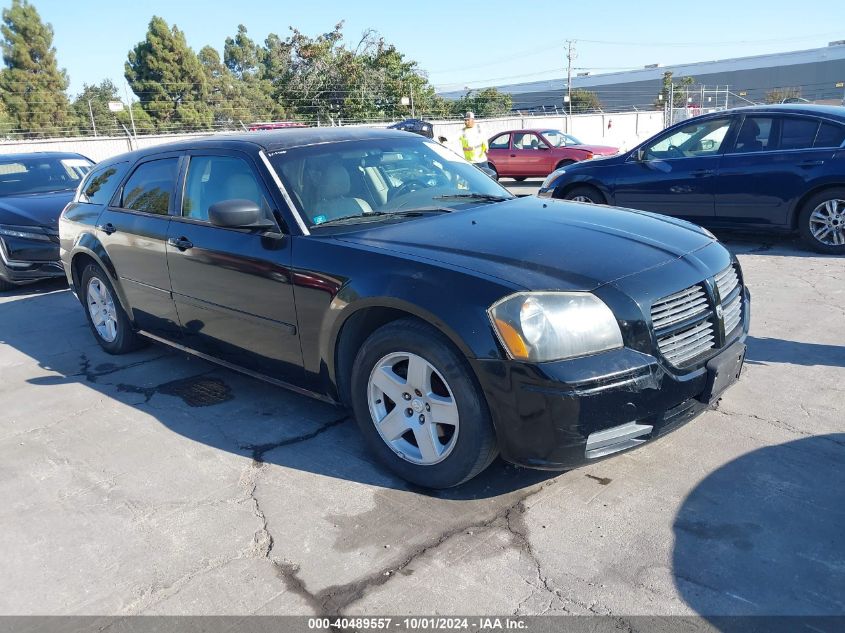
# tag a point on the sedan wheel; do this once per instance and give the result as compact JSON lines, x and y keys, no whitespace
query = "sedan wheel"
{"x":822,"y":221}
{"x":419,"y":406}
{"x":586,"y":194}
{"x":413,"y":408}
{"x":101,"y":309}
{"x":106,"y":316}
{"x":827,"y":222}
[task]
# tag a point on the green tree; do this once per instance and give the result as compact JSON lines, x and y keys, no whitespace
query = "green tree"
{"x":94,"y":100}
{"x":169,"y":79}
{"x":488,"y":102}
{"x":32,"y":85}
{"x":251,"y":97}
{"x":584,"y":101}
{"x":675,"y":91}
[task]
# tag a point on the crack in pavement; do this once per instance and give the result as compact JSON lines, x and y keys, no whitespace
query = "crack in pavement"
{"x":786,"y":426}
{"x":259,"y":450}
{"x":92,"y":375}
{"x":334,"y":599}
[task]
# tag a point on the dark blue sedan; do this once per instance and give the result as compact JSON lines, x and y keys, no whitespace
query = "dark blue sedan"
{"x":34,"y":188}
{"x":763,"y":167}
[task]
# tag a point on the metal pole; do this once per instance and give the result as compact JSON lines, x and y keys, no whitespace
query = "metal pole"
{"x":91,"y":112}
{"x":569,"y":74}
{"x":131,"y":115}
{"x":671,"y":103}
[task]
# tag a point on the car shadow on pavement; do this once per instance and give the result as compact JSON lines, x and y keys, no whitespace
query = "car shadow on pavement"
{"x":774,"y":244}
{"x":202,"y":401}
{"x":762,"y":535}
{"x":774,"y":350}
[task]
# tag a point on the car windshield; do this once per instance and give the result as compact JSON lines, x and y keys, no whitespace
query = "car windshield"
{"x":39,"y":174}
{"x":560,"y":139}
{"x":380,"y":178}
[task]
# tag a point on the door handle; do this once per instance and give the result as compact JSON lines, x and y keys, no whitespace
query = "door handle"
{"x":182,"y":243}
{"x":811,"y":163}
{"x":108,"y":229}
{"x":702,"y":172}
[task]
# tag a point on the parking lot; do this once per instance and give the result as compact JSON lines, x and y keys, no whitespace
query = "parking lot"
{"x":156,"y":483}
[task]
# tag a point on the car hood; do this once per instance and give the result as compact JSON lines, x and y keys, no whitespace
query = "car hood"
{"x":41,"y":209}
{"x":541,"y":244}
{"x":598,"y":150}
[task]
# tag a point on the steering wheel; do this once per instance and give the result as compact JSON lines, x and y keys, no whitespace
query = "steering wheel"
{"x":676,"y":151}
{"x":408,"y":187}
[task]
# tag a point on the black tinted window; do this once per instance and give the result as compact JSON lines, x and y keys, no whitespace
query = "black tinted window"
{"x":101,"y":184}
{"x":754,"y":135}
{"x":150,"y":187}
{"x":830,"y":135}
{"x":797,"y":133}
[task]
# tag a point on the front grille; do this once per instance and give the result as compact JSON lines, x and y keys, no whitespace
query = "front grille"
{"x":685,"y":325}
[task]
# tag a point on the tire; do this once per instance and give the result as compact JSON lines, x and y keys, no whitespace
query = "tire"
{"x":519,"y":178}
{"x":821,"y":221}
{"x":119,"y":339}
{"x":456,"y":452}
{"x":493,"y":167}
{"x":587,"y":194}
{"x":5,"y":285}
{"x":564,"y":163}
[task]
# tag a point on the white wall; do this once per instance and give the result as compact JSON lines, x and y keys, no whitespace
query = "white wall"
{"x":620,"y":130}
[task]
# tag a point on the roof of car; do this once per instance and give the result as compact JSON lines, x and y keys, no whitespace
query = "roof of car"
{"x":832,"y":111}
{"x":268,"y":140}
{"x":25,"y":155}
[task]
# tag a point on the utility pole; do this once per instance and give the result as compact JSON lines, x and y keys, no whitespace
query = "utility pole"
{"x":131,"y":115}
{"x":91,"y":112}
{"x":570,"y":55}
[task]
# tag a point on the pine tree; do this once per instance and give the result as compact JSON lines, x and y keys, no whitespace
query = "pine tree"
{"x":169,"y":79}
{"x":32,"y":85}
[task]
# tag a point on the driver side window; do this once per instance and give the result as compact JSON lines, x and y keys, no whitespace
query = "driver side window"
{"x":701,"y":138}
{"x":213,"y":179}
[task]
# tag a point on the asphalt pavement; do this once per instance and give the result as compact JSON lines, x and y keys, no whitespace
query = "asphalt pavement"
{"x":156,"y":483}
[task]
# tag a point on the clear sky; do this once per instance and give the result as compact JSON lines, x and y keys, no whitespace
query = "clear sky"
{"x":459,"y":43}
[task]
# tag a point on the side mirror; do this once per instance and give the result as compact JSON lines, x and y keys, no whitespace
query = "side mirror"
{"x":238,"y":214}
{"x":640,"y":155}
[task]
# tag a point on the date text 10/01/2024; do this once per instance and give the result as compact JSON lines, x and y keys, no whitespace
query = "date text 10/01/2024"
{"x":418,"y":623}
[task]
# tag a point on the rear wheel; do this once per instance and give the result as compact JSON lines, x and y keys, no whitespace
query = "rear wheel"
{"x":419,"y":408}
{"x":822,"y":221}
{"x":106,"y":317}
{"x":585,"y":194}
{"x":519,"y":178}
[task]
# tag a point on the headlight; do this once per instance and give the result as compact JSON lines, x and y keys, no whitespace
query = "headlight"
{"x":23,"y":232}
{"x":544,"y":326}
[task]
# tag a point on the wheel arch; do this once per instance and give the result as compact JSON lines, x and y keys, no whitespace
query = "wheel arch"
{"x":562,"y":190}
{"x":89,"y":250}
{"x":795,"y":212}
{"x":355,"y":327}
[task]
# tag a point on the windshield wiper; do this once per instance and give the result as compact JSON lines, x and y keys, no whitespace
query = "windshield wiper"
{"x":473,"y":196}
{"x":415,"y":213}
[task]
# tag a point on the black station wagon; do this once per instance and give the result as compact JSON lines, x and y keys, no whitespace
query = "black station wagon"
{"x":379,"y":270}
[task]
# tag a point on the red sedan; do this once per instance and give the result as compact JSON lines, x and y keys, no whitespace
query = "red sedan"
{"x":521,"y":154}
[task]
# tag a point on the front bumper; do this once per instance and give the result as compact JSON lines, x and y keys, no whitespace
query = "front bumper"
{"x":24,"y":261}
{"x":565,"y":414}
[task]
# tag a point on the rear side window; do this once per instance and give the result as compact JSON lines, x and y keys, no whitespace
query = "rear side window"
{"x":150,"y":187}
{"x":100,"y":185}
{"x":830,"y":135}
{"x":502,"y":141}
{"x":797,"y":133}
{"x":213,"y":179}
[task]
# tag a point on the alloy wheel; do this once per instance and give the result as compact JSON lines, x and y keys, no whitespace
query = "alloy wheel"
{"x":827,"y":222}
{"x":102,"y":310}
{"x":413,"y":408}
{"x":582,"y":199}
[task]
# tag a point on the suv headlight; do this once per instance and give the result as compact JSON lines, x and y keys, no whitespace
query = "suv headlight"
{"x":23,"y":232}
{"x":545,"y":326}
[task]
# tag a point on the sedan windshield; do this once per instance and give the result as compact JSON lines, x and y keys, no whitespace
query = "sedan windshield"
{"x":24,"y":175}
{"x":560,"y":139}
{"x":381,"y":178}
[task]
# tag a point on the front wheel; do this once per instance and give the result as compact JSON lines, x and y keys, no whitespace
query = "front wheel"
{"x":106,"y":317}
{"x":419,"y":407}
{"x":822,"y":222}
{"x":590,"y":195}
{"x":519,"y":178}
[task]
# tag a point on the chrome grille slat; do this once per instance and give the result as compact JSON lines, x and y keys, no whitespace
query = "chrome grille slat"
{"x":691,"y":328}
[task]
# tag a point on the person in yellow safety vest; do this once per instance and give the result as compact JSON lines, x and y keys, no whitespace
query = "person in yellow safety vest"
{"x":473,"y":142}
